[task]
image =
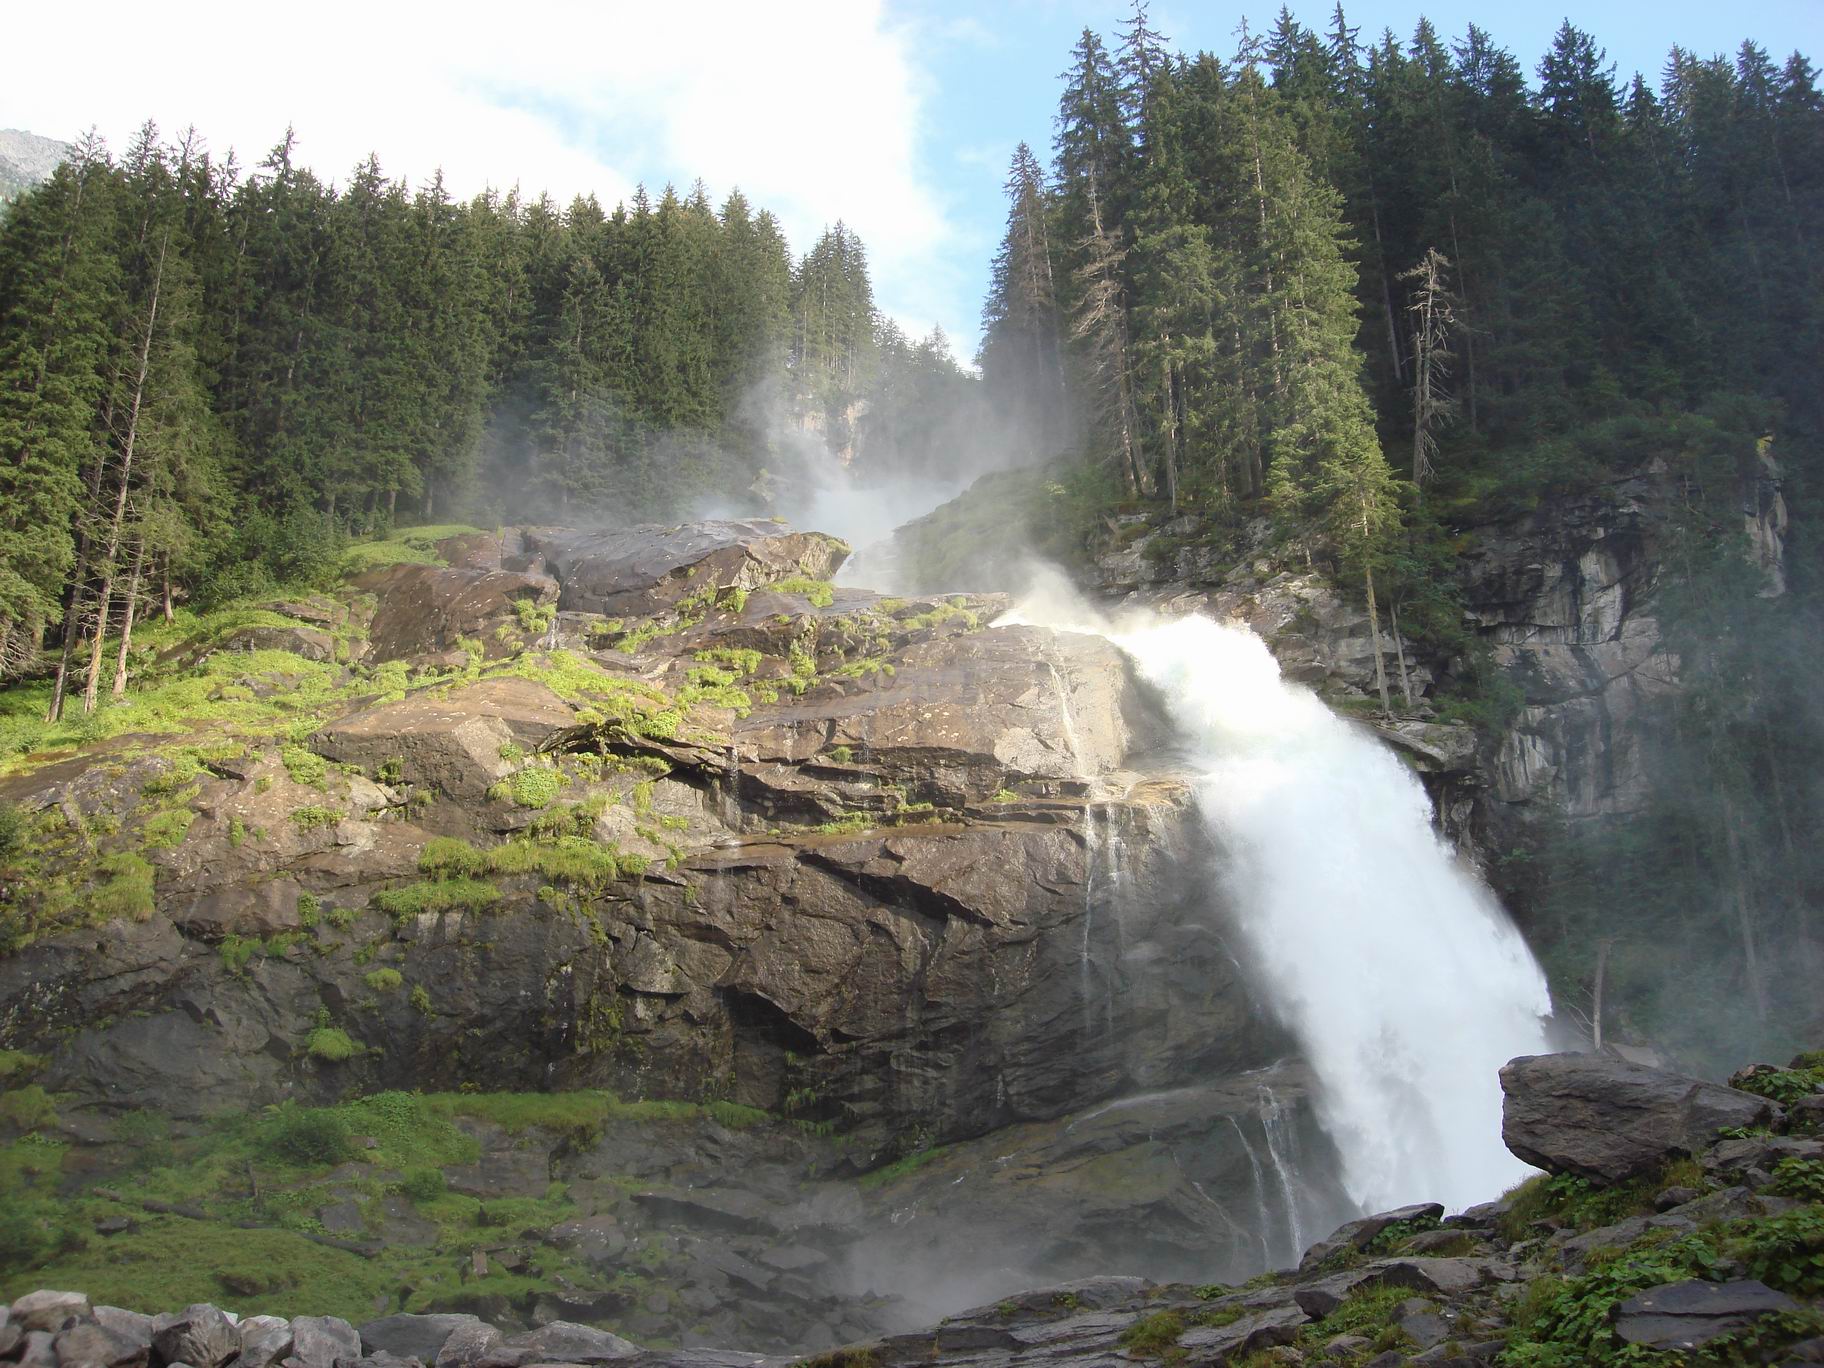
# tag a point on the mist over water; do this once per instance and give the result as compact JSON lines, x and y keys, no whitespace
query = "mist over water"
{"x":1405,"y":983}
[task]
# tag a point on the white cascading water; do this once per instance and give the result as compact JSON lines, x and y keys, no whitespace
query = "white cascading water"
{"x":1402,"y":978}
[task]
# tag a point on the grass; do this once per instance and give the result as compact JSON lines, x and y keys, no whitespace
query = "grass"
{"x":901,"y":1167}
{"x":818,"y":593}
{"x":409,"y":546}
{"x":435,"y":896}
{"x":331,"y":1044}
{"x":1155,"y":1336}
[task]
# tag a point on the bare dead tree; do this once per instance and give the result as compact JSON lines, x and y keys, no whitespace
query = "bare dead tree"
{"x":1433,"y":312}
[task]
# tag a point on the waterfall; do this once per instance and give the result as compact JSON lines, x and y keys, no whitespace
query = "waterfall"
{"x":1403,"y":980}
{"x":1273,"y":1122}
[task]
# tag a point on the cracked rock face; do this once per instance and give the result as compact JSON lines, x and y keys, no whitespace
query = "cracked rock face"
{"x":870,"y":862}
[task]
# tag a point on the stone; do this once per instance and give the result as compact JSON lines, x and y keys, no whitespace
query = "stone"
{"x":1358,"y":1234}
{"x":425,"y":610}
{"x":647,"y":569}
{"x":1687,"y":1315}
{"x":1422,"y":1322}
{"x":451,"y":744}
{"x":96,"y":1346}
{"x":413,"y":1336}
{"x":1444,"y":1277}
{"x":48,"y":1310}
{"x":200,"y":1335}
{"x":1606,"y":1120}
{"x":38,"y":1350}
{"x":568,"y":1342}
{"x":1262,"y":1330}
{"x":318,"y":1341}
{"x":1751,"y":1159}
{"x":308,"y":642}
{"x":1674,"y":1197}
{"x":502,"y":1173}
{"x":466,"y":1345}
{"x":265,"y":1340}
{"x":135,"y":1325}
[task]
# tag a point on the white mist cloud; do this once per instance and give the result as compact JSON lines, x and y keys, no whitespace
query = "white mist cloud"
{"x":815,"y":109}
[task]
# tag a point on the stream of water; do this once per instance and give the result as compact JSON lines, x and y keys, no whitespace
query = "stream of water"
{"x":1404,"y":981}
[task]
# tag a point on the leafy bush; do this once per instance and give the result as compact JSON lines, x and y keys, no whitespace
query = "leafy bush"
{"x":331,"y":1044}
{"x":422,"y":1184}
{"x":12,"y":829}
{"x":452,"y":857}
{"x":1784,"y":1086}
{"x":304,"y":1135}
{"x":383,"y":980}
{"x":1154,"y":1336}
{"x":444,"y":895}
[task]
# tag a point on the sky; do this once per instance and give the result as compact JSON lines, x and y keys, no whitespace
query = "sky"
{"x":896,"y":116}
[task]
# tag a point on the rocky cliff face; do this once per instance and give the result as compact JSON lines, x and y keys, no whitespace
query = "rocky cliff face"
{"x":660,"y":810}
{"x":1562,"y":595}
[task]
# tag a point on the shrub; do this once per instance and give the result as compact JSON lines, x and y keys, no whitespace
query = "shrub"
{"x":383,"y":980}
{"x":422,"y":1184}
{"x":445,"y":895}
{"x":452,"y":857}
{"x":1155,"y":1336}
{"x":330,"y":1044}
{"x":12,"y":830}
{"x":304,"y":766}
{"x":304,"y":1135}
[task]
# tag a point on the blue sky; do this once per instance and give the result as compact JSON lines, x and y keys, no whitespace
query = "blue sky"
{"x":898,"y":116}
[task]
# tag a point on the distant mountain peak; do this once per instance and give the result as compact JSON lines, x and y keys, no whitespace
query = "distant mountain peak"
{"x":27,"y":158}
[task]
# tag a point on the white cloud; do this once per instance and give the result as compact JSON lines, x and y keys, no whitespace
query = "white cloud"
{"x":814,"y":109}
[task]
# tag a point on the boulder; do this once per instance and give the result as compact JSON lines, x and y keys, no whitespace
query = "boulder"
{"x":567,"y":1342}
{"x":1687,"y":1315}
{"x":450,"y":743}
{"x":308,"y":642}
{"x":426,"y":609}
{"x":1358,"y":1234}
{"x":1606,"y":1120}
{"x":48,"y":1310}
{"x":264,"y":1341}
{"x":200,"y":1335}
{"x":135,"y":1325}
{"x":466,"y":1345}
{"x":409,"y":1336}
{"x":95,"y":1346}
{"x":318,"y":1341}
{"x":647,"y":569}
{"x":1262,"y":1330}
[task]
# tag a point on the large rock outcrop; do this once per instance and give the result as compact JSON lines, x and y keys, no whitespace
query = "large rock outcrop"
{"x":869,"y":861}
{"x":1601,"y":1118}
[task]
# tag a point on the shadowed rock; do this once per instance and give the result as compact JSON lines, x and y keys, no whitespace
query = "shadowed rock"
{"x":1607,"y":1120}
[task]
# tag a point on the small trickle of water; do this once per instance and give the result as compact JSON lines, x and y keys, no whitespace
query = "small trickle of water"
{"x":1069,"y":723}
{"x":1095,"y":830}
{"x":1263,"y":1220}
{"x":1285,"y":1164}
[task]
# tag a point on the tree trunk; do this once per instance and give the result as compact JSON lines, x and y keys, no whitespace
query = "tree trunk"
{"x":91,"y":687}
{"x":1374,"y":631}
{"x":1399,"y":651}
{"x":126,"y":622}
